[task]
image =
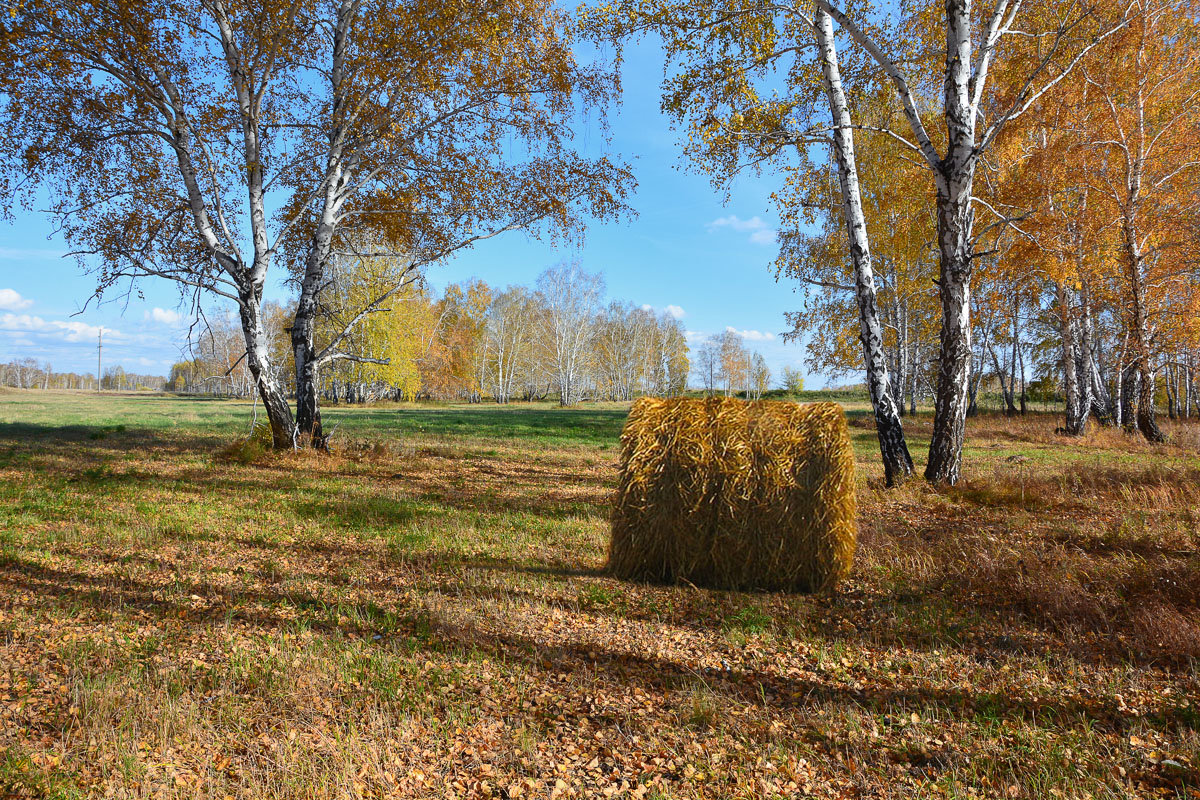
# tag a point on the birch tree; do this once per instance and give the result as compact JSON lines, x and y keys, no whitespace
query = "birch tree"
{"x":897,"y":463}
{"x":509,"y":338}
{"x":149,"y":145}
{"x":422,"y":104}
{"x":199,"y":140}
{"x":571,"y":297}
{"x":971,"y":119}
{"x":760,"y":376}
{"x":707,"y":365}
{"x":728,"y":55}
{"x":1143,"y":126}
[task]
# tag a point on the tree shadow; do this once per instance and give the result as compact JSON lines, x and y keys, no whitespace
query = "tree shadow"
{"x":547,"y":492}
{"x":104,"y":438}
{"x":746,"y":686}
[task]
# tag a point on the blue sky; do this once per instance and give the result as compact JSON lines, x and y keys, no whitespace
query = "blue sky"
{"x":686,"y":250}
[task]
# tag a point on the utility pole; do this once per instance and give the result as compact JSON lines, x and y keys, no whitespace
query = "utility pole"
{"x":99,"y":347}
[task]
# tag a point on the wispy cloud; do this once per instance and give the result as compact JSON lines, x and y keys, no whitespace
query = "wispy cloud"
{"x":164,"y":316}
{"x":765,"y":236}
{"x":62,"y":330}
{"x":760,"y":232}
{"x":751,"y":335}
{"x":738,"y":224}
{"x":675,"y":311}
{"x":11,"y":300}
{"x":29,"y":253}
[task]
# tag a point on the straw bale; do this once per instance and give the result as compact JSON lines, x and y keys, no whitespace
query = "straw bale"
{"x":728,"y":494}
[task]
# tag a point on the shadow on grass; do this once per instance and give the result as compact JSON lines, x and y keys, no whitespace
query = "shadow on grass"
{"x":578,"y":426}
{"x":100,"y":438}
{"x":409,"y":620}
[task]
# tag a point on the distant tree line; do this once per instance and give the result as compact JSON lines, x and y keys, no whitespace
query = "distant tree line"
{"x":725,"y":365}
{"x":27,"y":373}
{"x":555,"y":340}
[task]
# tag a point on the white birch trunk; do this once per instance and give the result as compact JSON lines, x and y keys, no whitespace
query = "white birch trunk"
{"x":897,"y":463}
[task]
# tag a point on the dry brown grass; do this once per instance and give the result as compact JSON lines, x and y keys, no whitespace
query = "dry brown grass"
{"x":728,"y":494}
{"x":1107,"y":554}
{"x":425,"y":614}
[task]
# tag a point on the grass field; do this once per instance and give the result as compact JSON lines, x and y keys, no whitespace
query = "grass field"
{"x":424,"y":613}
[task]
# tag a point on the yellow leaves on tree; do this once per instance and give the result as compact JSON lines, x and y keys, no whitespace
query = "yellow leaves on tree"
{"x":388,"y":342}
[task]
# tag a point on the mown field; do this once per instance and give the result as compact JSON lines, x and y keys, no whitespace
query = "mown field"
{"x":424,"y":613}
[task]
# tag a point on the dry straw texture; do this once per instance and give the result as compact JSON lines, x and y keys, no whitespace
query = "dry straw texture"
{"x":729,"y":494}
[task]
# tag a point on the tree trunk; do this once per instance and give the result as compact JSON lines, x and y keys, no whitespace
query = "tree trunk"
{"x":1172,"y":394}
{"x":1024,"y":393}
{"x":304,"y":350}
{"x":1187,"y":389}
{"x":275,"y":404}
{"x":1007,"y":385}
{"x":912,"y":379}
{"x":1129,"y":396}
{"x":977,"y":374}
{"x":956,"y":219}
{"x":1088,"y":379}
{"x":1014,"y":355}
{"x":1146,"y":423}
{"x":897,"y":462}
{"x":1076,"y":410}
{"x":308,"y":409}
{"x":903,"y":354}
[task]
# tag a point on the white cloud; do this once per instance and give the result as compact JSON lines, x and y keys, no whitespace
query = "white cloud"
{"x":29,"y":253}
{"x":675,"y":311}
{"x":11,"y":300}
{"x":164,"y":315}
{"x":753,"y":336}
{"x":735,"y":222}
{"x":694,"y":336}
{"x":69,"y":331}
{"x":760,"y":232}
{"x":766,"y":236}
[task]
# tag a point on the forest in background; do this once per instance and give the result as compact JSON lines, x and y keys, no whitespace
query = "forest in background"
{"x":964,"y":195}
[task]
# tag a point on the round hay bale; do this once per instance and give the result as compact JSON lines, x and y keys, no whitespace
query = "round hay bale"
{"x":734,"y":495}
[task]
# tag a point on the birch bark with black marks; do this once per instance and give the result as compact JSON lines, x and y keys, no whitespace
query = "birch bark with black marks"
{"x":1140,"y":323}
{"x":954,"y":180}
{"x":966,"y":74}
{"x":1129,"y":393}
{"x":897,"y":462}
{"x":1087,"y":381}
{"x":1076,"y":408}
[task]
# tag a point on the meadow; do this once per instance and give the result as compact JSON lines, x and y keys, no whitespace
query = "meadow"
{"x":425,"y":613}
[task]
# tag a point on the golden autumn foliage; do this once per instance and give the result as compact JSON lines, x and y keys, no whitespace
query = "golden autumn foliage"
{"x":203,"y":142}
{"x":450,"y":367}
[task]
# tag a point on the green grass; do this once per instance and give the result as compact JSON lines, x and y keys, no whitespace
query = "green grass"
{"x":425,"y":612}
